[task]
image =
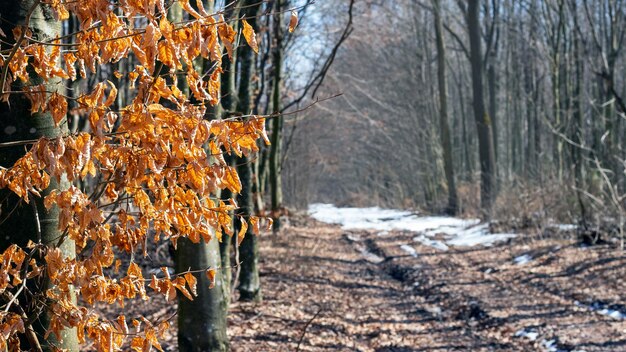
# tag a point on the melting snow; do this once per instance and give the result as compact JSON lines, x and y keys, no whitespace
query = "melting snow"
{"x":456,"y":232}
{"x":527,"y":333}
{"x":409,"y":249}
{"x":566,"y":227}
{"x":523,"y":259}
{"x":551,"y":345}
{"x":478,"y":235}
{"x":602,"y":308}
{"x":432,"y":243}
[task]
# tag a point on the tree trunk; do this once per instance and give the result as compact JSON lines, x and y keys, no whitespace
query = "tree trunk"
{"x":452,"y":207}
{"x":202,"y":322}
{"x":228,"y":103}
{"x":277,"y":122}
{"x":483,"y":122}
{"x":249,"y":283}
{"x":578,"y":122}
{"x":18,"y":221}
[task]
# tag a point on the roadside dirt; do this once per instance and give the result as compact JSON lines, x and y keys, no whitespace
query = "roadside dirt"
{"x":327,"y":289}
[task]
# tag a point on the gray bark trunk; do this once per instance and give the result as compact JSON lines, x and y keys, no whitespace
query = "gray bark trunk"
{"x":483,"y":122}
{"x":249,"y":283}
{"x":277,"y":122}
{"x":443,"y":113}
{"x":202,"y":322}
{"x":17,"y":220}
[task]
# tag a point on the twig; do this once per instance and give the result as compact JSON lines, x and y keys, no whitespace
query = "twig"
{"x":37,"y":221}
{"x":31,"y":336}
{"x":317,"y":81}
{"x":308,"y":323}
{"x":17,"y":45}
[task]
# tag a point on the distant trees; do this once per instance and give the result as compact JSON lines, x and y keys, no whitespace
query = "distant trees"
{"x":541,"y":79}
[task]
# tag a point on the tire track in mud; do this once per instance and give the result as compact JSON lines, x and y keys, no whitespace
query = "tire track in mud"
{"x":442,"y":306}
{"x":473,"y":311}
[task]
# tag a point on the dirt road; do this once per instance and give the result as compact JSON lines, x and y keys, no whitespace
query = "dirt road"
{"x":326,"y":289}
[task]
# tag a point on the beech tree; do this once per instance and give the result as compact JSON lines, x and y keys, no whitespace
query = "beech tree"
{"x":444,"y":128}
{"x":156,"y":164}
{"x":249,"y":282}
{"x":481,"y":116}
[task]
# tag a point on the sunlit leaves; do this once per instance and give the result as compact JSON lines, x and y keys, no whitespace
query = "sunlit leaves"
{"x":242,"y":230}
{"x":293,"y":21}
{"x":154,"y":157}
{"x":250,"y":36}
{"x":57,"y":105}
{"x":210,"y":274}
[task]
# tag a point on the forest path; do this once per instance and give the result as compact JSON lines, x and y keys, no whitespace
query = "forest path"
{"x":363,"y":291}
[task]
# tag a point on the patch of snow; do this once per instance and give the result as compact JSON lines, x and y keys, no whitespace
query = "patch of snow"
{"x":382,"y":233}
{"x":523,"y":259}
{"x":446,"y":230}
{"x":409,"y":249}
{"x":566,"y":227}
{"x":358,"y":218}
{"x":615,"y":314}
{"x":604,"y":309}
{"x":383,"y":219}
{"x":458,"y":232}
{"x":478,"y":235}
{"x":550,"y":345}
{"x":527,"y":333}
{"x":353,"y":238}
{"x":371,"y":257}
{"x":432,"y":243}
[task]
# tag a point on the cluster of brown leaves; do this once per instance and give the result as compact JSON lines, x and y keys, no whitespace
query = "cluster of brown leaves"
{"x":158,"y":161}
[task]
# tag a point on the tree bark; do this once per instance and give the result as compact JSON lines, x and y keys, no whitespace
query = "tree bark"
{"x":202,"y":322}
{"x":444,"y":128}
{"x":277,"y":121}
{"x":483,"y":122}
{"x":18,"y":221}
{"x":228,"y":103}
{"x":249,"y":283}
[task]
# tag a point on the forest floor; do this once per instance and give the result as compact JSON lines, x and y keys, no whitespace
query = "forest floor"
{"x":329,"y":289}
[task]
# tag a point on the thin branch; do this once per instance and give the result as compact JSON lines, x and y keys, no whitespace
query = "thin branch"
{"x":308,"y":323}
{"x":317,"y":81}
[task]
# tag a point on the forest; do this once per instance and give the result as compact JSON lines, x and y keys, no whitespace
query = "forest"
{"x":312,"y":175}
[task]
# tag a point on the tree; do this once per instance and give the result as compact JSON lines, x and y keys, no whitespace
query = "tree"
{"x":145,"y":163}
{"x":249,"y":282}
{"x":444,"y":128}
{"x":21,"y":222}
{"x":277,"y":123}
{"x":483,"y":122}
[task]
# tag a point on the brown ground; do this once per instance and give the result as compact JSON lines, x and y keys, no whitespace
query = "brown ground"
{"x":326,"y":289}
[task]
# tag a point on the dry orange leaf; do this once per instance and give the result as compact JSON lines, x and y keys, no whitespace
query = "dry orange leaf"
{"x":192,"y":282}
{"x":248,"y":33}
{"x":293,"y":21}
{"x":242,"y":231}
{"x":231,"y":179}
{"x":57,"y":105}
{"x":210,"y":274}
